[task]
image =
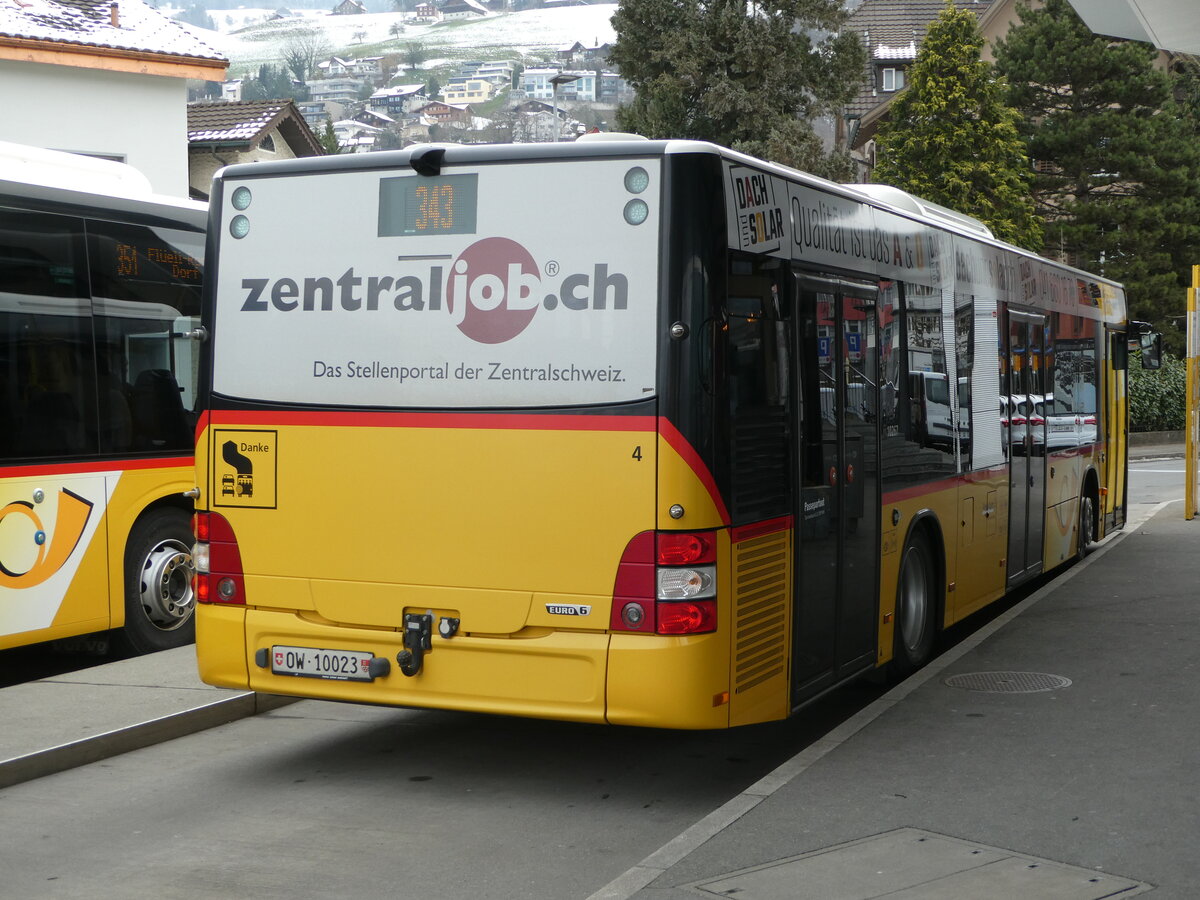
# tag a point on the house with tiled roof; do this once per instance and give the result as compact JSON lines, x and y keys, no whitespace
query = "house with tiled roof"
{"x":892,"y":32}
{"x":107,"y":79}
{"x":220,"y":134}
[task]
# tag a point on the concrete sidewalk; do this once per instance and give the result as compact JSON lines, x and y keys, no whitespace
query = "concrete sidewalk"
{"x":70,"y":720}
{"x":1052,"y":754}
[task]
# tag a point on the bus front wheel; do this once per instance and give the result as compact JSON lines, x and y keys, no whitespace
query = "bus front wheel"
{"x":159,"y":604}
{"x":913,"y":634}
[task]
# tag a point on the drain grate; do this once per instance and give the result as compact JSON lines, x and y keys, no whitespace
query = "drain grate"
{"x":1008,"y":682}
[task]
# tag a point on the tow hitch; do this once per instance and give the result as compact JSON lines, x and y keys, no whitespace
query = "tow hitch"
{"x":418,"y":637}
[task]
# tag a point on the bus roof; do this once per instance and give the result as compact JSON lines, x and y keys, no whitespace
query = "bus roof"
{"x":70,"y":180}
{"x":428,"y":159}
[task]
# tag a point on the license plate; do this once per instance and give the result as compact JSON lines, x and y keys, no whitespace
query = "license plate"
{"x":310,"y":662}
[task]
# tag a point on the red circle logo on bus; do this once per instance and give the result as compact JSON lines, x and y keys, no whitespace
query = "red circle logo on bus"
{"x":493,"y":290}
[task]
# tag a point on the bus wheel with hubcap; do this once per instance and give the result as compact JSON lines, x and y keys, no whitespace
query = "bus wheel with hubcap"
{"x":1087,"y":524}
{"x":159,"y":604}
{"x":912,"y":643}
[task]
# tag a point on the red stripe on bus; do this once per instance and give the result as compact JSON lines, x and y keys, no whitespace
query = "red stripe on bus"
{"x":681,"y":446}
{"x":102,"y":465}
{"x":758,"y":529}
{"x":511,"y":421}
{"x":921,"y":490}
{"x":201,"y":424}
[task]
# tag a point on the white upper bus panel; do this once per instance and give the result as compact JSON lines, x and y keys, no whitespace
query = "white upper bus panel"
{"x":468,"y":288}
{"x":71,"y":171}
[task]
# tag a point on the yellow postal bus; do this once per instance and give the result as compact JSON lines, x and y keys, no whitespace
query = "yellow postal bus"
{"x":99,"y":308}
{"x":624,"y":431}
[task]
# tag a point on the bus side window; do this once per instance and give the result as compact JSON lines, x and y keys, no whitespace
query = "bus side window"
{"x":758,"y":379}
{"x":918,"y":426}
{"x":146,"y":288}
{"x":45,"y":336}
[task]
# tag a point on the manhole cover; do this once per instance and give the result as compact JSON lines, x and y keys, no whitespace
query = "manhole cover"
{"x":1008,"y":682}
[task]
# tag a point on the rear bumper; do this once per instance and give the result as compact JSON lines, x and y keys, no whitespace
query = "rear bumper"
{"x":571,"y":676}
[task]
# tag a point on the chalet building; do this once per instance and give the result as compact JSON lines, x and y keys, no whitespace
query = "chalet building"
{"x":220,"y":134}
{"x":349,"y":8}
{"x":462,"y":9}
{"x":440,"y":113}
{"x":425,"y":12}
{"x":370,"y":67}
{"x":103,"y":79}
{"x":373,"y":117}
{"x":397,"y":100}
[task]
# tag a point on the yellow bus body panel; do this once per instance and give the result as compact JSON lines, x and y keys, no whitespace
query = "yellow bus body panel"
{"x":493,"y":526}
{"x":72,"y":583}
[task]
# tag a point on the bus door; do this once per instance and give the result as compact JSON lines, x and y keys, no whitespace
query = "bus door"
{"x":1115,"y":418}
{"x":1026,"y":443}
{"x":837,"y":471}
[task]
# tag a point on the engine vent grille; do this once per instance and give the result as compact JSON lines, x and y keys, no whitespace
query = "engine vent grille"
{"x":761,"y":576}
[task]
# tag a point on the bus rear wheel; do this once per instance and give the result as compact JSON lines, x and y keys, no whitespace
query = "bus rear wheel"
{"x":159,"y":604}
{"x":913,"y":634}
{"x":1087,"y":524}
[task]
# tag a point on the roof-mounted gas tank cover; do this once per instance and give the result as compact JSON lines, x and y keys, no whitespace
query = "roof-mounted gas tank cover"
{"x":904,"y":200}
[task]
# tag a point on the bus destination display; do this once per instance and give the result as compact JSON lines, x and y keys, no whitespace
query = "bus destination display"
{"x":415,"y":205}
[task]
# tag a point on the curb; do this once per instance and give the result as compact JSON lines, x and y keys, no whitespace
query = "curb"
{"x":135,"y":737}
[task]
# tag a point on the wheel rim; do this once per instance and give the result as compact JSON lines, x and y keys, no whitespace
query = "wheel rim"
{"x":166,"y":585}
{"x":914,"y":599}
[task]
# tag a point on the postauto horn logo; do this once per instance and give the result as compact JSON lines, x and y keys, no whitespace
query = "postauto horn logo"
{"x":73,"y":514}
{"x":492,"y":292}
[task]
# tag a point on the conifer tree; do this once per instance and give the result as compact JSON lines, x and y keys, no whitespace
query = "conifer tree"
{"x":1118,"y":180}
{"x":951,"y":137}
{"x":749,"y":74}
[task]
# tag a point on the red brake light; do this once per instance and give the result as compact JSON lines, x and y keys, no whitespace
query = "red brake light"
{"x":680,"y":548}
{"x":687,"y":616}
{"x":221,"y":579}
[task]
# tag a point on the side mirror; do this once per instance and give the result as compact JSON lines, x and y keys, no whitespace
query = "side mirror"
{"x":1151,"y":347}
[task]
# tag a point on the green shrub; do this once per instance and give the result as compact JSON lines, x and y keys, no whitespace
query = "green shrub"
{"x":1157,"y":397}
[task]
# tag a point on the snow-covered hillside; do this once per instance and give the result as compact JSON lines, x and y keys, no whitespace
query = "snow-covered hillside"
{"x":532,"y":32}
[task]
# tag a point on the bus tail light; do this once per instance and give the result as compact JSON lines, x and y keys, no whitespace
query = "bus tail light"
{"x":219,"y":576}
{"x":666,"y":584}
{"x":687,"y":617}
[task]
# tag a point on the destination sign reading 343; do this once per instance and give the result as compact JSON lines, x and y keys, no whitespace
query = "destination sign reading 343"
{"x":415,"y":205}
